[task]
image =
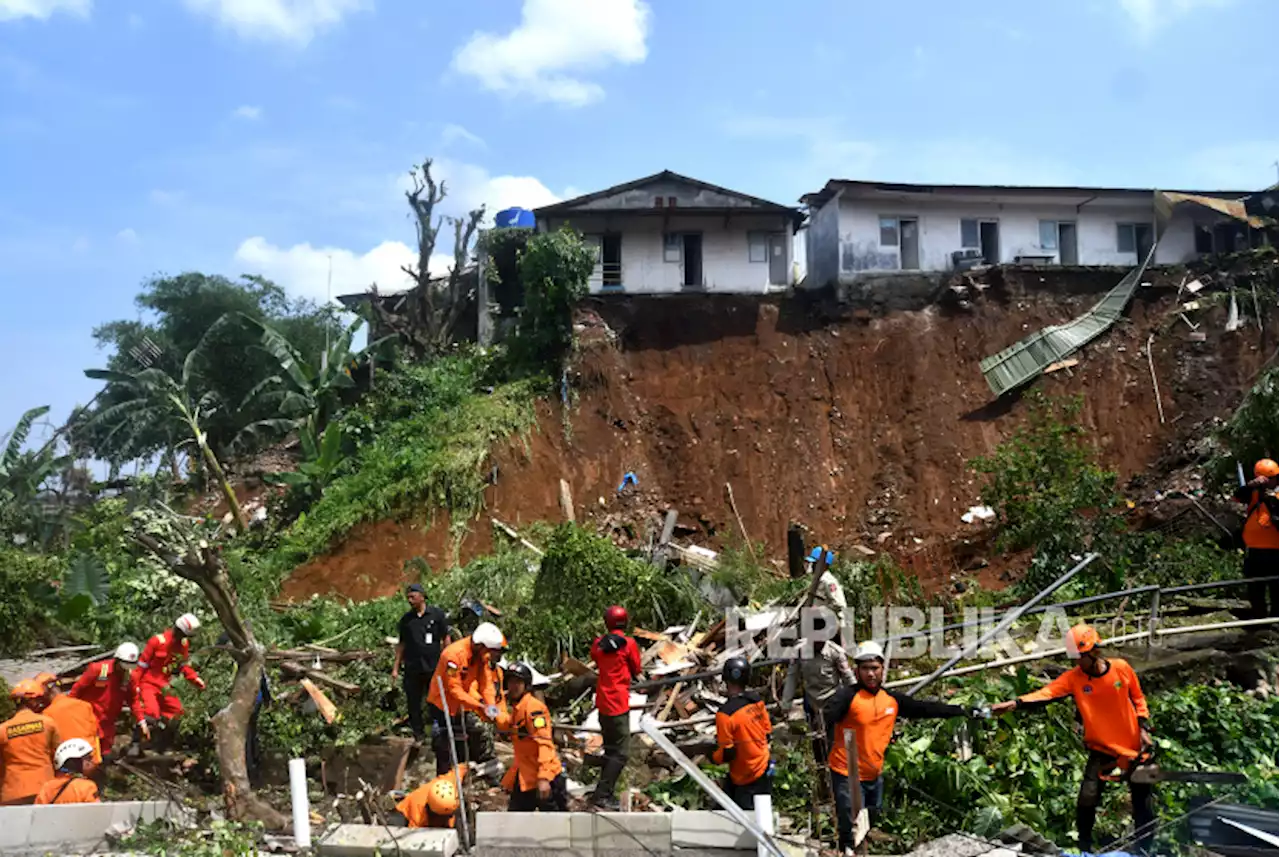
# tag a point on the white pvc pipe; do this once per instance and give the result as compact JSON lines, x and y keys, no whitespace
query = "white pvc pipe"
{"x":301,"y":808}
{"x":763,"y":805}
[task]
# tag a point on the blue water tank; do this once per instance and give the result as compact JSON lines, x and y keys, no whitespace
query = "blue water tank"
{"x":521,"y":218}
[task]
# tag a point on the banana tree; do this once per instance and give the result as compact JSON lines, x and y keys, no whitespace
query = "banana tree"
{"x":159,"y":398}
{"x":23,"y":474}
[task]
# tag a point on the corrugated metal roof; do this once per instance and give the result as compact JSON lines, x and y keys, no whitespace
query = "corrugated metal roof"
{"x":1024,"y":361}
{"x":1166,"y":200}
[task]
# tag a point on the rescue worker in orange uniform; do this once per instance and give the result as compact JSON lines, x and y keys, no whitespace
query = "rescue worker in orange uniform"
{"x":1114,"y":712}
{"x":72,"y":783}
{"x":166,"y":654}
{"x":870,"y":712}
{"x":536,"y":777}
{"x":468,"y":668}
{"x":107,"y":686}
{"x":73,"y":717}
{"x":28,"y":741}
{"x":742,"y":737}
{"x":1261,"y":538}
{"x":433,"y":804}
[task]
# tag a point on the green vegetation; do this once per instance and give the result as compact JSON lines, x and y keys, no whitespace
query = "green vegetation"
{"x":1251,"y":432}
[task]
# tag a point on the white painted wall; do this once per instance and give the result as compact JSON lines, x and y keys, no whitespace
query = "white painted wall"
{"x":859,"y":247}
{"x":726,"y":264}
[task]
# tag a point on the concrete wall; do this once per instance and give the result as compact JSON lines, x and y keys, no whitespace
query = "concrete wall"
{"x":67,"y":827}
{"x":686,"y":195}
{"x":726,"y":263}
{"x":822,"y":246}
{"x":860,"y":251}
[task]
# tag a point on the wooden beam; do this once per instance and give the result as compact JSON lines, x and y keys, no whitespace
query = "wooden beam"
{"x":295,"y":668}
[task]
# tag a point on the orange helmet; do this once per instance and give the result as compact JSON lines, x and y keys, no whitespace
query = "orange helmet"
{"x":45,"y":679}
{"x":1081,"y":639}
{"x":27,"y":689}
{"x":1266,"y":467}
{"x":442,"y":795}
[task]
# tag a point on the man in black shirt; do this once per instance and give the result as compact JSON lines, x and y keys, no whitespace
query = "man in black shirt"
{"x":424,"y":631}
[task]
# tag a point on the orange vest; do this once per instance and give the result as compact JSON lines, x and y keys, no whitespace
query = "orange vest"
{"x":1109,"y":704}
{"x":470,"y":683}
{"x":743,"y":725}
{"x":1261,"y":531}
{"x":75,"y":719}
{"x":529,"y":723}
{"x":27,"y":742}
{"x":871,"y":716}
{"x":78,"y":790}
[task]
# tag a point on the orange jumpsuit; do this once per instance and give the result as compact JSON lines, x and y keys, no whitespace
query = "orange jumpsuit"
{"x":68,"y":788}
{"x":414,"y":806}
{"x":27,"y":742}
{"x":529,"y":723}
{"x":75,"y":719}
{"x":106,"y":686}
{"x":470,"y":683}
{"x":1111,"y":706}
{"x":160,"y":660}
{"x":742,"y":735}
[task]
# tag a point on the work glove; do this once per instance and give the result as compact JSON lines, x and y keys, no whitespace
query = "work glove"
{"x":491,"y":712}
{"x":199,"y":682}
{"x":980,"y":712}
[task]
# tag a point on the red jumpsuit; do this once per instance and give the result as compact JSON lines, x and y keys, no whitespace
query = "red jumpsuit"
{"x":161,"y":658}
{"x":107,"y":686}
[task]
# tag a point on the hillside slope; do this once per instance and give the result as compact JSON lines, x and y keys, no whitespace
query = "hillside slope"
{"x":855,"y":424}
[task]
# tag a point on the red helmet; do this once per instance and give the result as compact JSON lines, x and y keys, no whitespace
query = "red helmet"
{"x":615,"y":617}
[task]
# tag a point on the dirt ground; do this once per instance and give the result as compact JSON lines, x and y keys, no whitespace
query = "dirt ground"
{"x":857,"y":426}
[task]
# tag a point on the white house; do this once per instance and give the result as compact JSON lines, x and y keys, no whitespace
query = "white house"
{"x":857,"y":228}
{"x":668,"y":233}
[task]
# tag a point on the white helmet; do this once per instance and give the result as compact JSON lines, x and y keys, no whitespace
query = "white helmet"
{"x":187,"y":623}
{"x":869,"y":651}
{"x":76,"y":748}
{"x":127,"y":652}
{"x":487,"y":634}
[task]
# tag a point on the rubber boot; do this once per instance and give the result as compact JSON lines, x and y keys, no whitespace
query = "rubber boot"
{"x":610,"y":771}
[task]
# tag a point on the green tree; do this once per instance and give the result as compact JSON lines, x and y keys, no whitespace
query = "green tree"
{"x":25,"y":479}
{"x":179,"y":312}
{"x":1251,"y":432}
{"x":554,"y":268}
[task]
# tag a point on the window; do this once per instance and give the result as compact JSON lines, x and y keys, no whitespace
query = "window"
{"x":1126,"y":240}
{"x":888,"y":232}
{"x":671,"y":244}
{"x":757,"y":247}
{"x":969,"y":234}
{"x":596,"y":242}
{"x":1048,"y":235}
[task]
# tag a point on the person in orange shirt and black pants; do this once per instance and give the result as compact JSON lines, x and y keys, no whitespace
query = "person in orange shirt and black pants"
{"x":1261,"y":538}
{"x":870,"y":712}
{"x":536,"y":777}
{"x":742,"y":737}
{"x":1114,"y":711}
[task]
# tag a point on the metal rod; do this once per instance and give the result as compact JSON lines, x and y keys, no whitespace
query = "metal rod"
{"x":1205,"y":512}
{"x":1214,"y":584}
{"x":1008,"y":620}
{"x":1154,"y":620}
{"x":457,"y":775}
{"x":1155,"y":385}
{"x":652,"y":728}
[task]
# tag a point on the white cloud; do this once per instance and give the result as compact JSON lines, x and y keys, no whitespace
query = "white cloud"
{"x":11,"y":10}
{"x":457,"y":134}
{"x":296,"y":21}
{"x":248,"y":112}
{"x":1151,"y":15}
{"x":127,"y":236}
{"x":469,"y":186}
{"x":303,"y":270}
{"x":557,"y":40}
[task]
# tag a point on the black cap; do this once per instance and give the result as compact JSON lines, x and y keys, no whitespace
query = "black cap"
{"x":737,"y":671}
{"x":415,"y":587}
{"x":520,"y":671}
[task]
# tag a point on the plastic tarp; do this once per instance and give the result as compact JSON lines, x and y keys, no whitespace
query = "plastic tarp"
{"x":1020,"y":363}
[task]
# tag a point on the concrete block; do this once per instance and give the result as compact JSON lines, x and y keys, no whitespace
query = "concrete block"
{"x":528,"y":830}
{"x":15,"y":827}
{"x":69,"y":823}
{"x":620,"y":833}
{"x":704,"y":829}
{"x":366,"y":840}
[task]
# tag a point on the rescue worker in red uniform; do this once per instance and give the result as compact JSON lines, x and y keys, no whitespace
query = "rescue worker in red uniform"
{"x":870,"y":712}
{"x":107,"y":686}
{"x":742,"y":737}
{"x":536,"y":778}
{"x":617,"y":660}
{"x":28,"y":741}
{"x":165,"y":655}
{"x":1114,"y":712}
{"x":1261,"y":538}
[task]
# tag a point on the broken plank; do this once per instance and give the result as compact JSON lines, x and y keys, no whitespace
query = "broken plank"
{"x":324,"y":705}
{"x":295,"y":668}
{"x":1061,"y":364}
{"x":651,"y":636}
{"x":510,"y":531}
{"x":566,"y":501}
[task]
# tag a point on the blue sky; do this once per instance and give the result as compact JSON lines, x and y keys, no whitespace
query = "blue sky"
{"x":264,"y":136}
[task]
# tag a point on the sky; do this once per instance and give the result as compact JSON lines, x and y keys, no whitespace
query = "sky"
{"x":145,"y":137}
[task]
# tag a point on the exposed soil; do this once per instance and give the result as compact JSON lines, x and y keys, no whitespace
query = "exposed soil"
{"x":858,"y":426}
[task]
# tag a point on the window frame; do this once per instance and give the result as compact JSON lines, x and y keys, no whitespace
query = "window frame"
{"x":977,"y":233}
{"x":1133,"y":237}
{"x":1056,"y":246}
{"x":667,"y":238}
{"x":763,"y":239}
{"x":897,"y":231}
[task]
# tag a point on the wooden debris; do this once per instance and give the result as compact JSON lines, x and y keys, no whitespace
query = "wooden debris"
{"x":1061,"y":364}
{"x":566,"y":501}
{"x":511,"y":532}
{"x":297,"y":669}
{"x":324,"y":705}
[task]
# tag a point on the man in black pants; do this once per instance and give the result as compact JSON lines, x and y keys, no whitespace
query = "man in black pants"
{"x":424,"y":631}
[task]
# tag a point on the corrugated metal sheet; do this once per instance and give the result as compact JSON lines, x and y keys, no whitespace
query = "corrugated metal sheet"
{"x":1166,"y":200}
{"x":1020,"y":363}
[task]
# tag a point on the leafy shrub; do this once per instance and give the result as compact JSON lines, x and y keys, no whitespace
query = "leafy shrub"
{"x":27,"y":597}
{"x":1251,"y":432}
{"x":554,"y":269}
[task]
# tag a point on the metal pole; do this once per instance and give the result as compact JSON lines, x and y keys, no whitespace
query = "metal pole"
{"x":453,"y":757}
{"x":1205,"y":512}
{"x":1154,"y":621}
{"x":651,"y":728}
{"x":1004,"y":624}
